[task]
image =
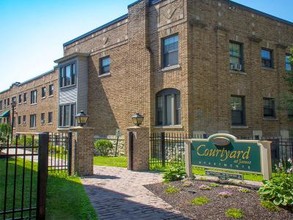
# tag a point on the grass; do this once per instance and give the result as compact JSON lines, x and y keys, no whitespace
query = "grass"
{"x":110,"y":161}
{"x":201,"y":200}
{"x":66,"y":197}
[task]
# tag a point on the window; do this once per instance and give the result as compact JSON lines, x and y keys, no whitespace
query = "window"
{"x":67,"y":75}
{"x":1,"y":105}
{"x":24,"y":119}
{"x":13,"y":99}
{"x":168,"y":107}
{"x":24,"y":97}
{"x":19,"y":99}
{"x":237,"y":110}
{"x":43,"y":92}
{"x":50,"y":117}
{"x":4,"y":103}
{"x":236,"y":56}
{"x":51,"y":89}
{"x":170,"y":51}
{"x":105,"y":65}
{"x":33,"y":121}
{"x":269,"y":108}
{"x":33,"y":96}
{"x":67,"y":115}
{"x":267,"y":58}
{"x":8,"y":102}
{"x":288,"y":65}
{"x":19,"y":120}
{"x":42,"y":118}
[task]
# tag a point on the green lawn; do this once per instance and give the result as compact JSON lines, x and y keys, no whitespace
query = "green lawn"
{"x":110,"y":161}
{"x":66,"y":197}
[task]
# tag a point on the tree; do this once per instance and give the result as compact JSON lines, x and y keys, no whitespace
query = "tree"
{"x":5,"y":130}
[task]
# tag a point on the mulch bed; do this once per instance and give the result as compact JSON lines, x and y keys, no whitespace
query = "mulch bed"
{"x":248,"y":202}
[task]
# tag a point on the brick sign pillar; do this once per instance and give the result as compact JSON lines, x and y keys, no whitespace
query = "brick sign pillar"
{"x":82,"y":151}
{"x":138,"y":148}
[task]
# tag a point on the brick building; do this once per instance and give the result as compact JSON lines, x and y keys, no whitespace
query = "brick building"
{"x":36,"y":100}
{"x":198,"y":66}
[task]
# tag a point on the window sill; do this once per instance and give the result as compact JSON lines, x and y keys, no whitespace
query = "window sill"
{"x":270,"y":119}
{"x":169,"y":68}
{"x":43,"y":97}
{"x":268,"y":68}
{"x":34,"y":104}
{"x":68,"y":87}
{"x":34,"y":128}
{"x":50,"y":123}
{"x":104,"y":75}
{"x":170,"y":126}
{"x":50,"y":96}
{"x":239,"y":126}
{"x":240,"y":72}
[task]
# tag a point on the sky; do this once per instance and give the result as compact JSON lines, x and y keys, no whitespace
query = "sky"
{"x":32,"y":32}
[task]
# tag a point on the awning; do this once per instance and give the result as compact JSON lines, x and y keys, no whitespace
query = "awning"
{"x":5,"y":114}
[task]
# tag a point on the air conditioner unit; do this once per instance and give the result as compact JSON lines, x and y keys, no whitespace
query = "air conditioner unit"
{"x":235,"y":66}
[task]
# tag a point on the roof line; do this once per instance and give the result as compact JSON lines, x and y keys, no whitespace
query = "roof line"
{"x":96,"y":29}
{"x":29,"y":80}
{"x":262,"y":13}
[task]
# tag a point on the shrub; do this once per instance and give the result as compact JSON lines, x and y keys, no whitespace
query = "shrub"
{"x":202,"y":200}
{"x":234,"y":213}
{"x":279,"y":188}
{"x":172,"y":189}
{"x":173,"y":173}
{"x":103,"y":147}
{"x":5,"y":130}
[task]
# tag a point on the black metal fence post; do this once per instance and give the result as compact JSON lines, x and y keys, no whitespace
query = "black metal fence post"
{"x":131,"y":150}
{"x":163,"y":149}
{"x":69,"y":152}
{"x":42,"y":175}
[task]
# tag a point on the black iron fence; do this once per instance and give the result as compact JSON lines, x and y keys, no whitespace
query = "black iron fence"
{"x":166,"y":148}
{"x":24,"y":166}
{"x":60,"y":145}
{"x":23,"y":172}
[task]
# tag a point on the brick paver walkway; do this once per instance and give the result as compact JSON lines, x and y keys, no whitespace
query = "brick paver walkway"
{"x":117,"y":193}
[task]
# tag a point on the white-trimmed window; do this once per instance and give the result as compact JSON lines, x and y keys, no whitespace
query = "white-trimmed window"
{"x":51,"y":89}
{"x":33,"y":121}
{"x":34,"y":94}
{"x":67,"y":75}
{"x":236,"y":56}
{"x":50,"y":117}
{"x":269,"y":108}
{"x":168,"y":107}
{"x":288,"y":64}
{"x":44,"y":92}
{"x":170,"y":51}
{"x":237,"y":110}
{"x":105,"y":65}
{"x":267,"y":58}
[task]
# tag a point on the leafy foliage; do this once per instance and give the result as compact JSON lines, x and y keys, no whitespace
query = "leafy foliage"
{"x":173,"y":173}
{"x":201,"y":200}
{"x":234,"y":213}
{"x":5,"y":130}
{"x":279,"y":189}
{"x":270,"y":206}
{"x":172,"y":189}
{"x":103,"y":147}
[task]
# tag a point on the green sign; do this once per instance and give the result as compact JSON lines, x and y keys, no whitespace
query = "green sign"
{"x":225,"y":152}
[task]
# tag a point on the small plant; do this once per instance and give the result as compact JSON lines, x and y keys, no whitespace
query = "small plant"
{"x":171,"y":190}
{"x":244,"y":190}
{"x":174,"y":173}
{"x":279,"y":188}
{"x":214,"y":185}
{"x":234,"y":213}
{"x":202,"y":200}
{"x":270,"y":206}
{"x":205,"y":187}
{"x":103,"y":147}
{"x":225,"y":194}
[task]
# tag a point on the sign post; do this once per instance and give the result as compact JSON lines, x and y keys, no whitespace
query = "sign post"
{"x":225,"y":152}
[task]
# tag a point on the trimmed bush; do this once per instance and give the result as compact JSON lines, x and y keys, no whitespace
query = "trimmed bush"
{"x":103,"y":147}
{"x":175,"y":172}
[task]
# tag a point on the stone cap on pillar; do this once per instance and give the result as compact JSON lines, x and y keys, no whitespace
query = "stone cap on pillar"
{"x":80,"y":128}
